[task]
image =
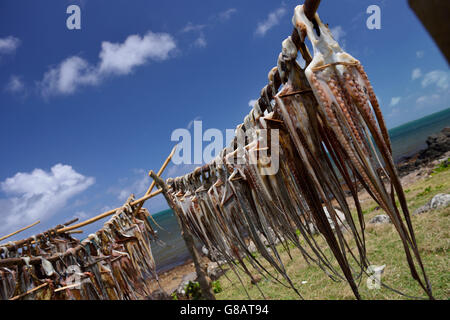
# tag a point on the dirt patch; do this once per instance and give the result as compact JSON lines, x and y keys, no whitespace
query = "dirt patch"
{"x":170,"y":279}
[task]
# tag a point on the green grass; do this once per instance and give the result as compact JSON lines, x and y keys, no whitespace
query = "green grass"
{"x":444,"y":166}
{"x":383,"y":246}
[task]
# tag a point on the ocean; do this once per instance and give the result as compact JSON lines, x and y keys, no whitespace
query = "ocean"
{"x":406,"y":140}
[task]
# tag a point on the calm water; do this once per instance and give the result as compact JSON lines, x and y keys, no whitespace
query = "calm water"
{"x":410,"y":137}
{"x":406,"y":140}
{"x":173,"y":252}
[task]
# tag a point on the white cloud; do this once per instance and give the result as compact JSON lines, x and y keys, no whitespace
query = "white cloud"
{"x":272,"y":20}
{"x":68,"y":76}
{"x":395,"y":101}
{"x":81,"y":215}
{"x":380,"y":101}
{"x":427,"y":99}
{"x":420,"y":54}
{"x":393,"y":113}
{"x":15,"y":84}
{"x":225,"y":15}
{"x":138,"y":188}
{"x":39,"y":195}
{"x":137,"y":185}
{"x":416,"y":74}
{"x":115,"y":59}
{"x":177,"y":170}
{"x":9,"y":45}
{"x":193,"y":27}
{"x":338,"y":33}
{"x":437,"y":77}
{"x":200,"y":42}
{"x":252,"y":102}
{"x":121,"y":58}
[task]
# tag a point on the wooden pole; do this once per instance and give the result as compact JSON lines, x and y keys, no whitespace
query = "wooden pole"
{"x":200,"y":269}
{"x":70,"y":286}
{"x":139,"y":202}
{"x":75,"y":231}
{"x":107,"y":213}
{"x":163,"y":167}
{"x":31,"y":240}
{"x":29,"y":291}
{"x":311,"y":8}
{"x":20,"y":230}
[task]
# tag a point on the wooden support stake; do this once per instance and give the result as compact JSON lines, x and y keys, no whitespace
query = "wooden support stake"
{"x":200,"y":268}
{"x":161,"y":170}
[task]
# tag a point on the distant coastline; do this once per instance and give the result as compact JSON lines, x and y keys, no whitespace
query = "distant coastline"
{"x":409,"y":138}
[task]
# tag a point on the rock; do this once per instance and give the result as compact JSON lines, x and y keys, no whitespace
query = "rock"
{"x":214,"y":255}
{"x":440,"y":200}
{"x":438,"y":146}
{"x":422,"y":209}
{"x":252,"y":247}
{"x":184,"y":281}
{"x":214,"y":271}
{"x":159,"y":295}
{"x":379,"y":219}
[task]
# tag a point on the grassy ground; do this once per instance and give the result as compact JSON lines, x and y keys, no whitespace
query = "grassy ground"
{"x":383,"y":246}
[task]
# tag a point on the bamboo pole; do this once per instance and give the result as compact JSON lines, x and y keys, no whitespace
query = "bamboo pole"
{"x":29,"y":291}
{"x":31,"y":240}
{"x":70,"y":286}
{"x":107,"y":213}
{"x":139,"y":202}
{"x":75,"y":231}
{"x":20,"y":230}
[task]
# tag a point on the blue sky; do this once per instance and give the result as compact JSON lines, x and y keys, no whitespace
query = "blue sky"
{"x":84,"y":114}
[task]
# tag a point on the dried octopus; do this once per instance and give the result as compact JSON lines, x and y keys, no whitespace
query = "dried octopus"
{"x":325,"y":116}
{"x":114,"y":263}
